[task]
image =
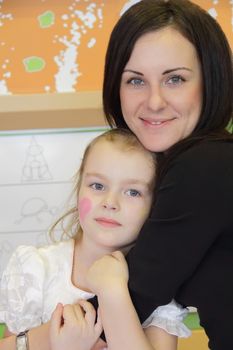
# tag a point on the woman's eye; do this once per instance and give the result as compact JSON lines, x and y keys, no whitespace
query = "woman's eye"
{"x":175,"y":80}
{"x":97,"y":186}
{"x":133,"y":193}
{"x":135,"y":81}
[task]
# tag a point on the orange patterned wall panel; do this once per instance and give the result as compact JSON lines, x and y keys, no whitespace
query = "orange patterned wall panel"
{"x":59,"y":46}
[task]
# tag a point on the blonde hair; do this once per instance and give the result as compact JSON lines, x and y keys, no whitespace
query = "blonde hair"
{"x":123,"y":139}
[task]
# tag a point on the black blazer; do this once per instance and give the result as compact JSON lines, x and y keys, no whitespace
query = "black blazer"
{"x":185,"y":249}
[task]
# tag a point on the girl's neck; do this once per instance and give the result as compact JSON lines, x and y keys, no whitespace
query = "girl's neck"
{"x":85,"y":254}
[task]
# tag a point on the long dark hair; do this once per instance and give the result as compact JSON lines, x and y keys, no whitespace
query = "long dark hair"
{"x":213,"y":51}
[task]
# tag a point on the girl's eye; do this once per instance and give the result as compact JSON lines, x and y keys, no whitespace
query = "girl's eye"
{"x":97,"y":186}
{"x":175,"y":80}
{"x":133,"y":193}
{"x":135,"y":81}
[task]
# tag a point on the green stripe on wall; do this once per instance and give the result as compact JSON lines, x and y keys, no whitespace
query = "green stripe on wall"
{"x":192,"y":321}
{"x":2,"y":328}
{"x":51,"y":131}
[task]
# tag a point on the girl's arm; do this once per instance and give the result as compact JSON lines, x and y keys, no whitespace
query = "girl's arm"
{"x":108,"y":278}
{"x":38,"y":338}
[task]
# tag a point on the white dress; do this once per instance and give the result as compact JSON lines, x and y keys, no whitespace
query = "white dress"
{"x":36,"y":279}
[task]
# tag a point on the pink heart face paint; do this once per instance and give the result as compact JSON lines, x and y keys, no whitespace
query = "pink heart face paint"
{"x":84,"y":206}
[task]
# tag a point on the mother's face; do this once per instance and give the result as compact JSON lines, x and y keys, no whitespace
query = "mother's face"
{"x":161,"y":89}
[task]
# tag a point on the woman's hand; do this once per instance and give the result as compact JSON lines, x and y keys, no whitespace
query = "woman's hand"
{"x":99,"y":345}
{"x":73,"y":327}
{"x":108,"y":274}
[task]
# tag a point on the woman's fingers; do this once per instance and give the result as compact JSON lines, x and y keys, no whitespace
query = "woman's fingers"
{"x":73,"y":313}
{"x":90,"y":314}
{"x":56,"y":319}
{"x":74,"y":324}
{"x":98,"y":324}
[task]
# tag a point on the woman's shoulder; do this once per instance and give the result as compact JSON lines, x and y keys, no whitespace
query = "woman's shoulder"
{"x":200,"y":168}
{"x":206,"y":154}
{"x":206,"y":147}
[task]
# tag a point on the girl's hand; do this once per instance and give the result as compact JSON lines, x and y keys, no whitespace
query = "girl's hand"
{"x":108,"y":273}
{"x":73,"y":327}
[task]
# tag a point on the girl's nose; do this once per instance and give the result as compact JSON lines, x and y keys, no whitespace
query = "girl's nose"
{"x":110,"y":202}
{"x":110,"y":206}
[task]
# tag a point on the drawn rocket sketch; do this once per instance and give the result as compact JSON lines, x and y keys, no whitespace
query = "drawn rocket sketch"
{"x":35,"y":167}
{"x":36,"y":184}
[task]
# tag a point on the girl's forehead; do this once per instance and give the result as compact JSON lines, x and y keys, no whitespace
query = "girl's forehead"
{"x":120,"y":146}
{"x":107,"y":154}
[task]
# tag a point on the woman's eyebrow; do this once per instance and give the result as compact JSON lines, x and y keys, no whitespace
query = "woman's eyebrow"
{"x":175,"y":69}
{"x":132,"y":71}
{"x":165,"y":72}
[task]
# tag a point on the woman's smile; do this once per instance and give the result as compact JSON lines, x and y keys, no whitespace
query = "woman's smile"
{"x":155,"y":124}
{"x":161,"y":89}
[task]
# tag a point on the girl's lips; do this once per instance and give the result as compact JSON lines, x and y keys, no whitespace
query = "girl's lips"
{"x":107,"y":222}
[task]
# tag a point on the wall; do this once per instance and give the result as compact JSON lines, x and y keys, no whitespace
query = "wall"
{"x":49,"y":48}
{"x":36,"y":179}
{"x":59,"y":46}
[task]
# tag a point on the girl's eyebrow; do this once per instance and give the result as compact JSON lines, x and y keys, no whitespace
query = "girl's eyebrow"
{"x":94,"y":174}
{"x":129,"y":181}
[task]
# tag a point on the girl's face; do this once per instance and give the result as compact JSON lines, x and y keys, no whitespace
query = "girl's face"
{"x":161,"y":89}
{"x":115,"y":195}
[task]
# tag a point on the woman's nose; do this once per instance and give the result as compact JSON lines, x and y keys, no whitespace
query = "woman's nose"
{"x":156,"y":99}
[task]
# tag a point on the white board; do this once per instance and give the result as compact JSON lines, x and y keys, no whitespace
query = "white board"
{"x":36,"y":170}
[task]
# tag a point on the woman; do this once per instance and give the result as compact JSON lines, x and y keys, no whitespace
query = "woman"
{"x":168,"y":78}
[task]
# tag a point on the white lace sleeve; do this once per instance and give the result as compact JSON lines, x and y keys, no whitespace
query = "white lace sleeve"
{"x":21,"y":290}
{"x":170,"y":318}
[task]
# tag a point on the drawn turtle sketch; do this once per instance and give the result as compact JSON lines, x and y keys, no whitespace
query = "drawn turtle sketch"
{"x":34,"y":207}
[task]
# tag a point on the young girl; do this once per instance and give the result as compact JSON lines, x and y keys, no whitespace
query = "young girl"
{"x":114,"y":196}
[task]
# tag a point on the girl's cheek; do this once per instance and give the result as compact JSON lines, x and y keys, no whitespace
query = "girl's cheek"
{"x":84,"y":206}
